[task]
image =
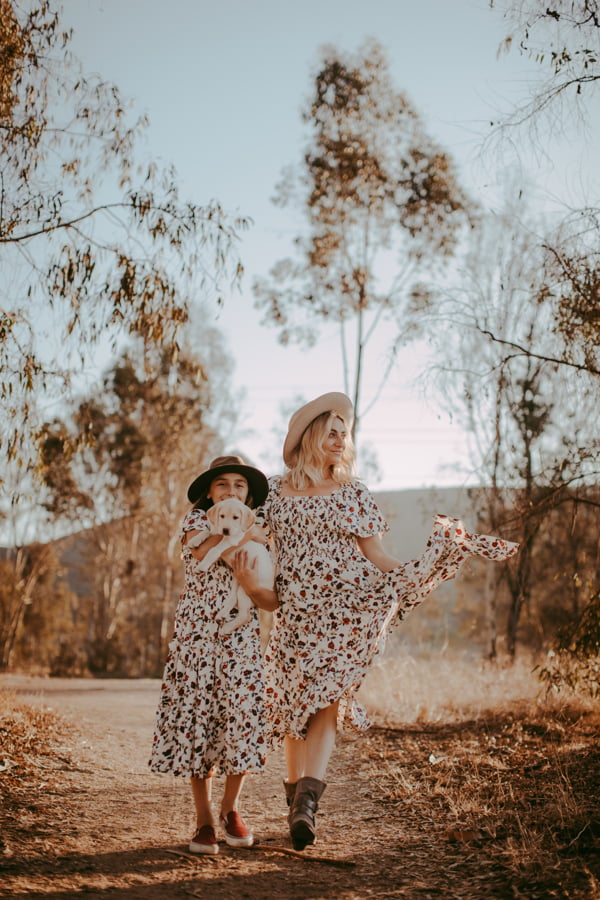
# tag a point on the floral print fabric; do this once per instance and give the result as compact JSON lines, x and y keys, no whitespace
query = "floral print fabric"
{"x":211,"y":713}
{"x":337,"y":606}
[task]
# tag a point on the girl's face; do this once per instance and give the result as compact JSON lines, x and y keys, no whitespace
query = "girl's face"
{"x":228,"y":485}
{"x":334,"y":442}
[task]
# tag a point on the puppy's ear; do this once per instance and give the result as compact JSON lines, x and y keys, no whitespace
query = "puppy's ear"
{"x":248,"y":518}
{"x":212,"y":514}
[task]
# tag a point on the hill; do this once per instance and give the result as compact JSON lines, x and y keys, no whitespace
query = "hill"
{"x":410,"y":515}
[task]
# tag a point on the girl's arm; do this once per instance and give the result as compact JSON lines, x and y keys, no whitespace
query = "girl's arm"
{"x":202,"y":549}
{"x":373,"y":549}
{"x":247,"y":576}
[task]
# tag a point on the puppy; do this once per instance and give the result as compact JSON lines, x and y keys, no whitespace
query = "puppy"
{"x":232,"y":519}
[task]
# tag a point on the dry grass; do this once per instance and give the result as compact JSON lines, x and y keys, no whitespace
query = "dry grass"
{"x":31,"y":755}
{"x":442,"y":687}
{"x":498,"y":760}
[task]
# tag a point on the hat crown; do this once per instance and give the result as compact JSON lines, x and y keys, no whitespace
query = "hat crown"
{"x":221,"y":461}
{"x":223,"y":465}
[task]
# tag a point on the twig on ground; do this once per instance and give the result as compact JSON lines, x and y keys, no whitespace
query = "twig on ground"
{"x":327,"y":860}
{"x":285,"y":851}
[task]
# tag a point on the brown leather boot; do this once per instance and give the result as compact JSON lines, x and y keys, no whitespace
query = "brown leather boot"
{"x":290,"y":790}
{"x":303,"y":811}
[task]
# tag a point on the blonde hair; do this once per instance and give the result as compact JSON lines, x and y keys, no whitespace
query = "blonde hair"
{"x":310,"y":457}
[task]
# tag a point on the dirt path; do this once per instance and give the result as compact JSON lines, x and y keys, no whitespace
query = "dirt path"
{"x":103,"y":826}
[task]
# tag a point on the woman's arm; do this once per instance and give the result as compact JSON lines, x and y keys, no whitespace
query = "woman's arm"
{"x":373,"y":549}
{"x":247,"y":577}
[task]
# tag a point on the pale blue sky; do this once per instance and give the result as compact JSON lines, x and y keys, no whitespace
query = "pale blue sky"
{"x":223,"y":83}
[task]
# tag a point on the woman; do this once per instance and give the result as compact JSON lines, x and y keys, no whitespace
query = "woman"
{"x":339,"y":590}
{"x":211,"y":715}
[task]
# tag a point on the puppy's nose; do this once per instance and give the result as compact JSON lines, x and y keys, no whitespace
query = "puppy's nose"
{"x":226,"y":531}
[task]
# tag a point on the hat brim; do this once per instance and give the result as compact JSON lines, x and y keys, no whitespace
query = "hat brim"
{"x":258,"y":486}
{"x":331,"y":402}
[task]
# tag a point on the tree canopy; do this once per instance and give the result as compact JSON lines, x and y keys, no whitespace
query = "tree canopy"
{"x":507,"y":377}
{"x":564,"y":38}
{"x":382,"y":205}
{"x":96,"y":243}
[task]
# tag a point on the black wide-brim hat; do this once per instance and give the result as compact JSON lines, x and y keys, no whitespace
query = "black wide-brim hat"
{"x":258,"y":486}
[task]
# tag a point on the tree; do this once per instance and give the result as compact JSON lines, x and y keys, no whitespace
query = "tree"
{"x":95,"y":244}
{"x":49,"y":623}
{"x":120,"y":466}
{"x":531,"y":420}
{"x":564,"y":37}
{"x":22,"y":570}
{"x":382,"y":205}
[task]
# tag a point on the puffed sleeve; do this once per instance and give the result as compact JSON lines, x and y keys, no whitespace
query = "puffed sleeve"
{"x":195,"y":520}
{"x":361,"y":515}
{"x":263,"y":512}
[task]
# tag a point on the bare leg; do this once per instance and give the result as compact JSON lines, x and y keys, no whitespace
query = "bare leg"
{"x":320,"y":741}
{"x":311,"y":756}
{"x":231,"y":794}
{"x":201,"y":791}
{"x":237,"y":833}
{"x":295,"y":757}
{"x":318,"y":746}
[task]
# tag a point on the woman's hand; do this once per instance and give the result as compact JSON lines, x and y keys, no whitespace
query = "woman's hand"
{"x":246,"y":573}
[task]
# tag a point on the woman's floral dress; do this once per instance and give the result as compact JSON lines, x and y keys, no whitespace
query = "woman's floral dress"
{"x":211,"y":712}
{"x":337,"y":606}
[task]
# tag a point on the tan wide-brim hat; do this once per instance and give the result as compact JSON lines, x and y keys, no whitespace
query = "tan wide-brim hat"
{"x":258,"y":486}
{"x":332,"y":402}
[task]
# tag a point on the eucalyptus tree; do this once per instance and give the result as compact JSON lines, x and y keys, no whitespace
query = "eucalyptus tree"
{"x":117,"y":469}
{"x":96,"y":244}
{"x":382,"y":207}
{"x":563,"y":37}
{"x":531,"y":419}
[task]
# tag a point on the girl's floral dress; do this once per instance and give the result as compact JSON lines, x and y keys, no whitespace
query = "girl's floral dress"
{"x":337,"y":606}
{"x":211,"y":712}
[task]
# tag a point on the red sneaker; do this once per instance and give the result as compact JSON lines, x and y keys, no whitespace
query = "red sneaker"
{"x":204,"y":841}
{"x":236,"y":832}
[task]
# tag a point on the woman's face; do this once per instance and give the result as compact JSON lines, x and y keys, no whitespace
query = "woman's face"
{"x":334,"y":443}
{"x":230,"y":484}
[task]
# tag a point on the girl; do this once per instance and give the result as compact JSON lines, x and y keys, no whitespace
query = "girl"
{"x":211,"y":713}
{"x":336,"y":605}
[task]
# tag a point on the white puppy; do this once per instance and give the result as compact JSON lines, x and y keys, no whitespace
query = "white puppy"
{"x":232,"y":519}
